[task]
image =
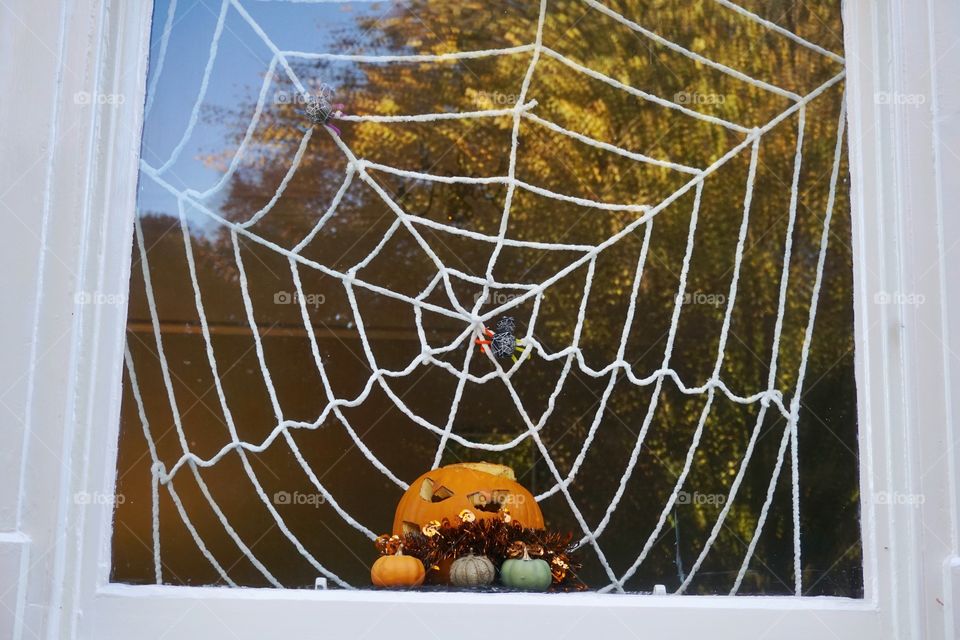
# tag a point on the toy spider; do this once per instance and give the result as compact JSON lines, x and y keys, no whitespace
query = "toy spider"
{"x":320,"y":110}
{"x":502,"y":342}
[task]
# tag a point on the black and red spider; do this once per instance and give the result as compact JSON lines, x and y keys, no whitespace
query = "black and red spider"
{"x":502,"y":342}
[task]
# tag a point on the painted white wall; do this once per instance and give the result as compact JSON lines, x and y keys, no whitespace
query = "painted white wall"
{"x":24,"y":166}
{"x":945,"y":112}
{"x":67,"y":172}
{"x":52,"y":61}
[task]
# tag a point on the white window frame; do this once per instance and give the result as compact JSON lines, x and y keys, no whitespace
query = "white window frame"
{"x":59,"y":549}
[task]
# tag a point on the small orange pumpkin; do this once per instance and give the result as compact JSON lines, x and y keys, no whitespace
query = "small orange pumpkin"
{"x":487,"y":490}
{"x":397,"y":570}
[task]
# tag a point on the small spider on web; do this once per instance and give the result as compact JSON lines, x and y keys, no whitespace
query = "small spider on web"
{"x":502,"y":342}
{"x":320,"y":109}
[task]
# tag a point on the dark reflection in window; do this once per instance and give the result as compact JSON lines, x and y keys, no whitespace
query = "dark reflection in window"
{"x":215,"y":525}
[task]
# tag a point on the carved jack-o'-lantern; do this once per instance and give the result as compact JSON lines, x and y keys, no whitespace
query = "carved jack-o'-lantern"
{"x":488,"y":490}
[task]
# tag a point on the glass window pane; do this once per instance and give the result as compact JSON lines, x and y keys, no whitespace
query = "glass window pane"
{"x":306,"y":293}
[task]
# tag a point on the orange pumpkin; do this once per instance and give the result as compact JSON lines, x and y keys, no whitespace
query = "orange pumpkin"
{"x":397,"y":571}
{"x":488,"y":490}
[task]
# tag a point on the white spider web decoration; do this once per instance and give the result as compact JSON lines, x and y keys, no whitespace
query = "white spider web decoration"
{"x":471,"y":318}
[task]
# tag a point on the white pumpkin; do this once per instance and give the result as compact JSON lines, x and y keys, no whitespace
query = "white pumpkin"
{"x":472,"y":571}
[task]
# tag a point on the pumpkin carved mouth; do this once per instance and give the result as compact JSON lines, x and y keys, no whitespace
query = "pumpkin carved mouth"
{"x":491,"y":507}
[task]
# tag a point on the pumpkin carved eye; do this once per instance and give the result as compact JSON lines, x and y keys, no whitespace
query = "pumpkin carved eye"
{"x":428,"y":493}
{"x":479,"y":499}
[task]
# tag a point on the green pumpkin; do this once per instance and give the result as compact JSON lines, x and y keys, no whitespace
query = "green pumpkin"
{"x":526,"y":573}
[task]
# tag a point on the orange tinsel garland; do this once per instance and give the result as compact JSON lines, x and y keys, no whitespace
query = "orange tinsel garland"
{"x":499,"y":540}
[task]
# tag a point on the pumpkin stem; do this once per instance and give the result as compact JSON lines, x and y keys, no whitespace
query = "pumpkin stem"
{"x":526,"y":556}
{"x":399,"y":550}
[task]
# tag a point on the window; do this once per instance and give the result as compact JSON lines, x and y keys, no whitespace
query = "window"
{"x":641,"y":257}
{"x":77,"y":152}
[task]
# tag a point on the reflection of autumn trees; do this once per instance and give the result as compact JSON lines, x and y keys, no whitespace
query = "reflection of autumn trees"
{"x":480,"y":147}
